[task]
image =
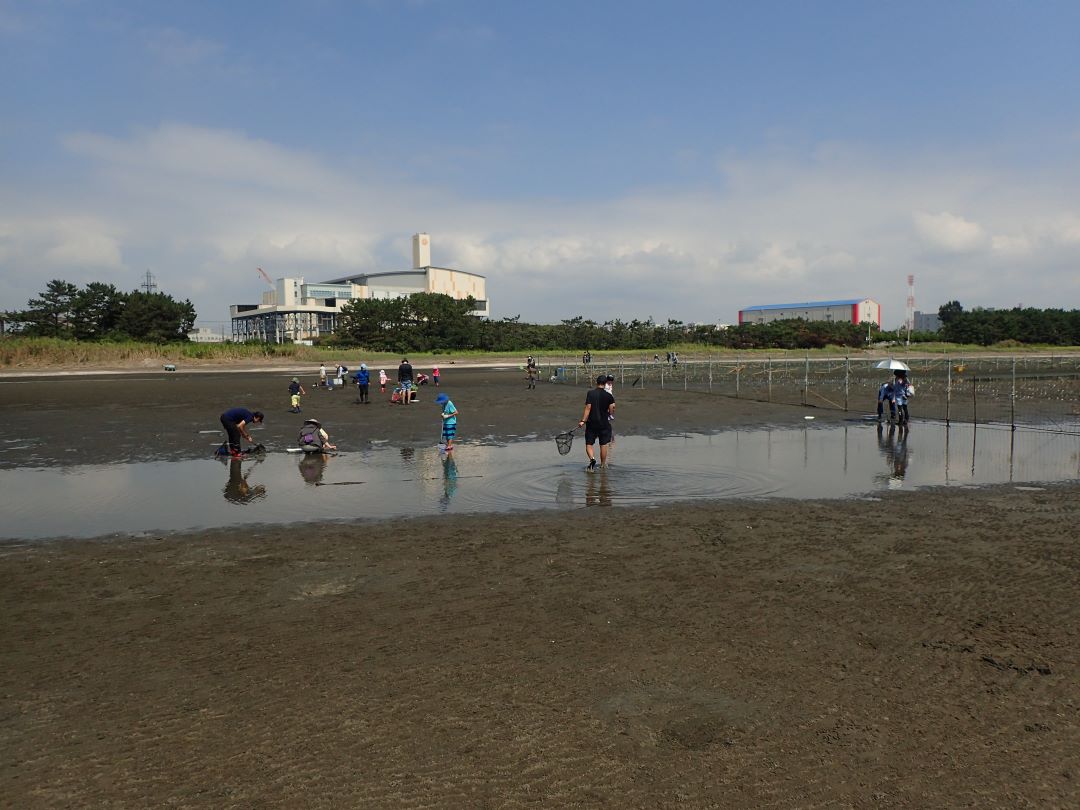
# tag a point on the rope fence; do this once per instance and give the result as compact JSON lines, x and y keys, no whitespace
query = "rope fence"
{"x":1018,"y":391}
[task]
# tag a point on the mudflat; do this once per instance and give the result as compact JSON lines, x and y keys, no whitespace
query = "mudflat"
{"x":914,"y":650}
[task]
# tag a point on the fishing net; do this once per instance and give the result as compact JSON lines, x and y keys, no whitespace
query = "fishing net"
{"x":563,"y":442}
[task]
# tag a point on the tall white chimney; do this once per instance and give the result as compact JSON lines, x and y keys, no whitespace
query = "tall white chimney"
{"x":421,"y":251}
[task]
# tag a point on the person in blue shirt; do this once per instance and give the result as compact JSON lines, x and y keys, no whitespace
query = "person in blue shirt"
{"x":903,"y":390}
{"x":885,"y":394}
{"x":363,"y":380}
{"x":235,"y":422}
{"x":449,"y":420}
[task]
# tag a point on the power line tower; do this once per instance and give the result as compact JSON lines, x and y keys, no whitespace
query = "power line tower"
{"x":149,"y":284}
{"x":910,"y":319}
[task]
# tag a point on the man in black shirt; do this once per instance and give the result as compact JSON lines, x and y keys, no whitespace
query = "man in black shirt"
{"x":405,"y":380}
{"x":599,"y":405}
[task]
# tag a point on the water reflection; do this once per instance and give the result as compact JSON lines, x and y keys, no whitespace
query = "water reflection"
{"x":88,"y":500}
{"x":564,"y":493}
{"x":312,"y":467}
{"x":450,"y":479}
{"x":892,"y":442}
{"x":597,"y":489}
{"x":239,"y":490}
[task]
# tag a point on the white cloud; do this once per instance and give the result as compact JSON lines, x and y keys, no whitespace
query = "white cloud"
{"x":204,"y":207}
{"x":78,"y":244}
{"x":1010,"y":244}
{"x":181,"y":154}
{"x":949,"y":232}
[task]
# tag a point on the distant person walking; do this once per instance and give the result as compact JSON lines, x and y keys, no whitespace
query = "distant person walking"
{"x":363,"y":381}
{"x":322,"y":375}
{"x":295,"y":390}
{"x":405,"y":380}
{"x":449,"y":421}
{"x":235,"y":422}
{"x":598,"y":407}
{"x":435,"y":376}
{"x":382,"y":381}
{"x":531,"y":372}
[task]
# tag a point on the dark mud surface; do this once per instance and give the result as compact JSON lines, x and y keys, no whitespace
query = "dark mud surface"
{"x":918,"y":650}
{"x":64,"y":420}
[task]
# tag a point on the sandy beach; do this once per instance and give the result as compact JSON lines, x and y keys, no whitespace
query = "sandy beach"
{"x":917,"y":649}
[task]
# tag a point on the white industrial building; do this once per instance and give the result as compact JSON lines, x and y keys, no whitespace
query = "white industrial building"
{"x":296,"y":310}
{"x":853,"y":310}
{"x":205,"y":334}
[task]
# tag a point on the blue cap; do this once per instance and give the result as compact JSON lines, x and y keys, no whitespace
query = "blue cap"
{"x":441,"y":399}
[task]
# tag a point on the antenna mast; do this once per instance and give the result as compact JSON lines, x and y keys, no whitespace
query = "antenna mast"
{"x":910,"y":307}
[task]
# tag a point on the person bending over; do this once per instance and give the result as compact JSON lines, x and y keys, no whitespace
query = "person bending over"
{"x":235,"y":422}
{"x":313,"y":439}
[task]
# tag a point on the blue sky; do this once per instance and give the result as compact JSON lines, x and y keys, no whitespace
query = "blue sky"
{"x":607,"y":159}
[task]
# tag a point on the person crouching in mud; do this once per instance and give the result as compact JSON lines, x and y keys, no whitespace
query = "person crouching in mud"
{"x":313,"y":439}
{"x":235,"y":422}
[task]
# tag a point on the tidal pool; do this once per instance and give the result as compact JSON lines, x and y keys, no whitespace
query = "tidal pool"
{"x":857,"y":459}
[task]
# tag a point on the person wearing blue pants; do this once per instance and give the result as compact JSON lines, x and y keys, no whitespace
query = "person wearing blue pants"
{"x":363,"y":380}
{"x":449,"y":421}
{"x":885,"y":394}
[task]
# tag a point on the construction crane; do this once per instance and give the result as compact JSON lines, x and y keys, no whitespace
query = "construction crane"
{"x":266,"y":278}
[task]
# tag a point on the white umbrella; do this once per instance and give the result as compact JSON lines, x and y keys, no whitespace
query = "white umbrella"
{"x":893,"y":365}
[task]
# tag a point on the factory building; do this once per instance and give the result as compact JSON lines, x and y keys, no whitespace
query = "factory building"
{"x":296,"y":310}
{"x":853,"y":310}
{"x":927,"y":322}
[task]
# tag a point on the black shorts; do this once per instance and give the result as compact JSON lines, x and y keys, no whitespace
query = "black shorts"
{"x":592,"y":434}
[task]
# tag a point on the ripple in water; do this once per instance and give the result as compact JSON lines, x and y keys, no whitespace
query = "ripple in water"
{"x":387,"y":482}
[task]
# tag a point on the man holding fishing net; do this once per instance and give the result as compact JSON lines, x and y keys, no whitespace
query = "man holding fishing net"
{"x":599,"y":406}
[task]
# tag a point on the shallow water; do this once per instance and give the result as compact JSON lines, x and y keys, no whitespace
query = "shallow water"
{"x":384,"y":482}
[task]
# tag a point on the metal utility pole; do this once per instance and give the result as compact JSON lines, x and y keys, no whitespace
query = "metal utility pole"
{"x":148,"y":283}
{"x":910,"y":307}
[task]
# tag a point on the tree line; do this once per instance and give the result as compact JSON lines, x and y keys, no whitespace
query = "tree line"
{"x":100,"y":311}
{"x":425,"y":322}
{"x":984,"y":327}
{"x":430,"y":322}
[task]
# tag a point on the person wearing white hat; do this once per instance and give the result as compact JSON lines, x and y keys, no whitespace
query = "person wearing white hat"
{"x":313,"y":439}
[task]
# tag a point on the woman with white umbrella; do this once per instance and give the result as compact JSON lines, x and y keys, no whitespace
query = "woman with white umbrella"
{"x":903,"y":390}
{"x":897,"y":392}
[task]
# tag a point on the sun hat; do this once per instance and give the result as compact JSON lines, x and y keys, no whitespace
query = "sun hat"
{"x":609,"y":378}
{"x":296,"y":379}
{"x":312,"y":421}
{"x":442,"y":399}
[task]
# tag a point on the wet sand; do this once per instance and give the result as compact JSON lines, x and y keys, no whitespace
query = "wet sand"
{"x":109,"y":418}
{"x":914,"y":651}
